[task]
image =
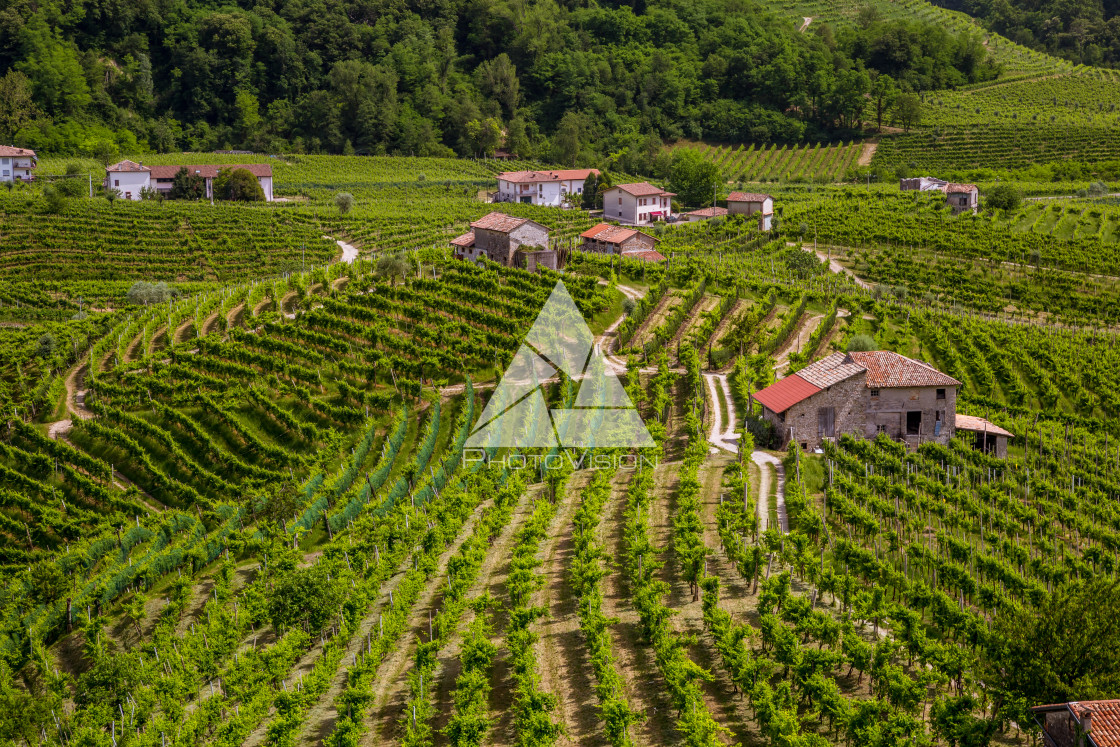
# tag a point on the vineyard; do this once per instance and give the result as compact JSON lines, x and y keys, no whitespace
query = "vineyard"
{"x":808,"y":163}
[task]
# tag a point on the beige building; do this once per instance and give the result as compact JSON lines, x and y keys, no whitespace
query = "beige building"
{"x":551,"y":188}
{"x":130,"y":178}
{"x":637,"y":204}
{"x":753,"y":203}
{"x":862,"y":394}
{"x":962,"y":198}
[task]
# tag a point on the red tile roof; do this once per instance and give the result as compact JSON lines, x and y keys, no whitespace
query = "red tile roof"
{"x":709,"y":212}
{"x":785,"y":393}
{"x":643,"y":189}
{"x":887,"y":370}
{"x":1105,"y":728}
{"x":499,"y":222}
{"x":747,"y":197}
{"x":960,"y":188}
{"x":610,"y":234}
{"x":10,"y":151}
{"x":465,"y":240}
{"x":532,"y":177}
{"x":645,"y":255}
{"x":126,"y":166}
{"x":973,"y":423}
{"x":209,"y":171}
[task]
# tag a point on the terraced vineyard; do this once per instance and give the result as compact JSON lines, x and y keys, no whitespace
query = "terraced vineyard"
{"x":774,"y":163}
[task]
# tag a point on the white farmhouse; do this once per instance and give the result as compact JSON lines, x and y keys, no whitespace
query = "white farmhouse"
{"x":129,"y":177}
{"x":637,"y":204}
{"x":16,"y":164}
{"x":547,"y":188}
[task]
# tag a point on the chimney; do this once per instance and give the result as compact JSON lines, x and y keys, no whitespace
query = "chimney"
{"x":1086,"y":724}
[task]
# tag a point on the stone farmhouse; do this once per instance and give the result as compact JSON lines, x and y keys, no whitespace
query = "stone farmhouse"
{"x":507,"y":240}
{"x":752,"y":203}
{"x":637,"y":204}
{"x":862,"y":394}
{"x":549,"y":188}
{"x":16,"y":164}
{"x":990,"y":438}
{"x":625,"y":242}
{"x":960,"y":197}
{"x":129,"y":178}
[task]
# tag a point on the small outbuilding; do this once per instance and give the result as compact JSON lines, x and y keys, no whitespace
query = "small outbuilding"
{"x":706,"y":213}
{"x":990,"y":438}
{"x":962,"y":198}
{"x":753,"y":203}
{"x":922,"y":184}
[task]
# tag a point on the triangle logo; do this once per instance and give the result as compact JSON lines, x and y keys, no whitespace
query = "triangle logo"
{"x":517,"y":415}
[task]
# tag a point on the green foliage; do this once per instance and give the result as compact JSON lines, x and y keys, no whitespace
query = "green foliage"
{"x":694,"y":179}
{"x":344,"y":201}
{"x":1003,"y":197}
{"x":861,"y":343}
{"x":238,"y":185}
{"x":143,"y":293}
{"x":187,"y":186}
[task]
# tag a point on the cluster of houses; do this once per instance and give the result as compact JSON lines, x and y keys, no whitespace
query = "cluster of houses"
{"x":962,"y":198}
{"x":131,"y":179}
{"x":521,"y":242}
{"x":867,"y":393}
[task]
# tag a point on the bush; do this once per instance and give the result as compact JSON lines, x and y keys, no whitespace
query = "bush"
{"x":1003,"y":197}
{"x":54,"y":198}
{"x":239,"y":185}
{"x":143,"y":293}
{"x":861,"y":343}
{"x":46,"y":346}
{"x":344,"y":201}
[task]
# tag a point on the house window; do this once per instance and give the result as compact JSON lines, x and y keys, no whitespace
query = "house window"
{"x":128,"y":195}
{"x":116,"y":182}
{"x":619,"y":202}
{"x":874,"y":392}
{"x":880,"y":428}
{"x":941,"y":394}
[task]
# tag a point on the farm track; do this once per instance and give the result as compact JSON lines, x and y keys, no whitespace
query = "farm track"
{"x":866,"y":154}
{"x":562,"y":654}
{"x":806,"y":325}
{"x":211,"y":323}
{"x":181,"y":332}
{"x":130,"y":353}
{"x":645,"y":688}
{"x":236,"y":316}
{"x":763,"y":458}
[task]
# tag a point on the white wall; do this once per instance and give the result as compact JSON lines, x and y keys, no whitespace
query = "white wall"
{"x":128,"y":183}
{"x":266,"y":185}
{"x":13,"y":168}
{"x":625,"y":208}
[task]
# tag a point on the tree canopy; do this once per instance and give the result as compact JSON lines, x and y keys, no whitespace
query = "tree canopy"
{"x":564,"y":81}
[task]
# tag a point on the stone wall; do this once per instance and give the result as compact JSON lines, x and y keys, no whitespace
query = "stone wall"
{"x":888,"y":412}
{"x":846,"y":399}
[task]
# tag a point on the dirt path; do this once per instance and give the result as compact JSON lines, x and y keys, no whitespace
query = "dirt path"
{"x":76,"y":392}
{"x":211,"y":322}
{"x":235,"y":316}
{"x":721,"y":434}
{"x":762,"y":458}
{"x":349,"y":251}
{"x":561,"y":650}
{"x":645,"y":688}
{"x":133,"y":347}
{"x":724,"y":325}
{"x":866,"y":154}
{"x":266,"y":301}
{"x":837,"y":268}
{"x":181,"y":331}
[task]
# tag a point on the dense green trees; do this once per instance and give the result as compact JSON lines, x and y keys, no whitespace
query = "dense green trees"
{"x":554,"y":80}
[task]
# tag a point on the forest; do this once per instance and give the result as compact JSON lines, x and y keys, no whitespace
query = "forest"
{"x":1084,"y":31}
{"x":462,"y":77}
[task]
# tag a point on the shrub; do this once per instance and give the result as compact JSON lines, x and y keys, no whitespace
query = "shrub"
{"x":861,"y":343}
{"x":344,"y":201}
{"x":1003,"y":197}
{"x":143,"y":293}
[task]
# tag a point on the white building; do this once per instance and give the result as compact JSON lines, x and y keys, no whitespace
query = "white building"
{"x":547,"y":188}
{"x":16,"y":164}
{"x":637,"y":204}
{"x":129,"y":177}
{"x":750,"y":203}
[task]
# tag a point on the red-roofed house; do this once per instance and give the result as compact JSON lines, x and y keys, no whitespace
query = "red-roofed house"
{"x":962,"y":197}
{"x":129,"y":177}
{"x":862,"y":393}
{"x":16,"y":164}
{"x":1088,"y":723}
{"x":547,"y":188}
{"x":609,"y":239}
{"x":750,"y":203}
{"x":507,"y":240}
{"x":706,"y":213}
{"x":637,"y":204}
